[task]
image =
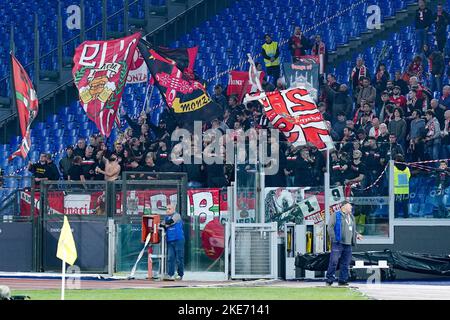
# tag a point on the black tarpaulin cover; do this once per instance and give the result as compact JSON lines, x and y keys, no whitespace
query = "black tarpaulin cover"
{"x":407,"y":261}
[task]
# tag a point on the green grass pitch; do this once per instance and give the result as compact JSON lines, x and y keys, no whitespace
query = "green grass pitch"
{"x":253,"y":293}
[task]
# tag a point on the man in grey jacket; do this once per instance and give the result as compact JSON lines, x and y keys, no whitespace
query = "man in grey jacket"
{"x":342,"y":231}
{"x":367,"y":92}
{"x":416,"y":135}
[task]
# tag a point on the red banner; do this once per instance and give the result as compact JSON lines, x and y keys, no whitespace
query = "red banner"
{"x":206,"y":204}
{"x":100,"y":74}
{"x":207,"y":209}
{"x":27,"y":106}
{"x":238,"y":84}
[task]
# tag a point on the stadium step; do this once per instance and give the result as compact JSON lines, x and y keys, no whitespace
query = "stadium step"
{"x":368,"y":38}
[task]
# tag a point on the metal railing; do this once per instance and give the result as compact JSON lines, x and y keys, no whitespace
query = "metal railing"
{"x":12,"y":193}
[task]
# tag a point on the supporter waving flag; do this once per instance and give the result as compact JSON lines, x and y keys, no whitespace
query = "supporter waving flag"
{"x":242,"y":82}
{"x":100,"y":73}
{"x":294,"y":112}
{"x":172,"y":73}
{"x":27,"y":106}
{"x":255,"y":76}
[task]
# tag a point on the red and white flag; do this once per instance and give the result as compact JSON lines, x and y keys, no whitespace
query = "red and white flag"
{"x":100,"y":73}
{"x":255,"y":77}
{"x":241,"y":83}
{"x":27,"y":106}
{"x":294,"y":112}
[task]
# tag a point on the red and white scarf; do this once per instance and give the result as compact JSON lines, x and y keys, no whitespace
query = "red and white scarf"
{"x":321,"y":48}
{"x":362,"y":72}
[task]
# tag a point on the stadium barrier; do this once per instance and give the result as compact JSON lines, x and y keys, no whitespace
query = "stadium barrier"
{"x":107,"y":224}
{"x":91,"y":211}
{"x":85,"y":204}
{"x":16,"y":231}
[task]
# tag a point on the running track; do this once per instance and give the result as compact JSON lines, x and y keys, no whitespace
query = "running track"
{"x":386,"y":291}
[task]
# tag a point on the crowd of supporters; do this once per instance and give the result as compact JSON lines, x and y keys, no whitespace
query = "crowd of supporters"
{"x":372,"y":119}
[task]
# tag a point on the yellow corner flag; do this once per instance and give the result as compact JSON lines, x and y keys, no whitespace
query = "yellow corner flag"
{"x":66,"y":245}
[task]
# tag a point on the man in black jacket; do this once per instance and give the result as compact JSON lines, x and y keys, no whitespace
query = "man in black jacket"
{"x":398,"y":81}
{"x":80,"y":148}
{"x":340,"y":101}
{"x":218,"y":97}
{"x":390,"y":150}
{"x":39,"y":169}
{"x":437,"y":70}
{"x":424,"y":19}
{"x":304,"y":169}
{"x":442,"y":20}
{"x":88,"y":164}
{"x":53,"y":173}
{"x":332,"y":83}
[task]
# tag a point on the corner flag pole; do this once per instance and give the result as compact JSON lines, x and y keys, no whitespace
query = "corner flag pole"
{"x":63,"y":282}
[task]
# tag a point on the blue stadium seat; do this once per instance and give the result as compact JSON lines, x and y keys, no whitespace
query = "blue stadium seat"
{"x":52,"y":118}
{"x":70,"y":126}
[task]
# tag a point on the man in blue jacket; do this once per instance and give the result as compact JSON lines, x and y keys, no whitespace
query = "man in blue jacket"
{"x":342,"y":231}
{"x":175,"y":243}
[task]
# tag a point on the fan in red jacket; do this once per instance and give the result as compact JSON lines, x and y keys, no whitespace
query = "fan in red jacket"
{"x":398,"y":99}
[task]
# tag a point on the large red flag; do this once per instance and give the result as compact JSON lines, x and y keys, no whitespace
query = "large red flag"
{"x":27,"y":106}
{"x":100,"y":73}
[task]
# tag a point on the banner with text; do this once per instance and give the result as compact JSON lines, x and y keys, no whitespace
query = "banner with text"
{"x":305,"y":73}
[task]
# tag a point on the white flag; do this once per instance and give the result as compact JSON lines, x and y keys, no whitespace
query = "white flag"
{"x":253,"y":75}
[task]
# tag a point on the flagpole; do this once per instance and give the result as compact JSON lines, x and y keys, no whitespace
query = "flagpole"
{"x":13,"y":89}
{"x":147,"y":100}
{"x":63,"y":282}
{"x":327,"y":195}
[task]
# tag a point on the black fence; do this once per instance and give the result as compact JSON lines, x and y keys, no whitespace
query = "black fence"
{"x":31,"y":218}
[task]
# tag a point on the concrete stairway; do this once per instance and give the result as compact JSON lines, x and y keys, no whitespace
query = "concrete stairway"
{"x":369,"y":38}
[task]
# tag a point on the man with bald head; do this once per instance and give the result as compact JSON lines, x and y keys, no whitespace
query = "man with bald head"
{"x":375,"y":129}
{"x":359,"y":72}
{"x":438,"y":111}
{"x":445,"y":98}
{"x":175,"y":242}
